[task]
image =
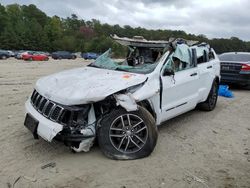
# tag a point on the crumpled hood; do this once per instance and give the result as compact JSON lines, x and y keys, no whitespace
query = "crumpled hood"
{"x":85,"y":85}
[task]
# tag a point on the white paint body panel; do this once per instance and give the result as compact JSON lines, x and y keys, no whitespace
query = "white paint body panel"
{"x":47,"y":129}
{"x":180,"y":93}
{"x":85,"y":85}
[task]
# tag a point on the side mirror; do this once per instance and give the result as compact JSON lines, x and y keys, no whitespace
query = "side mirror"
{"x":168,"y":72}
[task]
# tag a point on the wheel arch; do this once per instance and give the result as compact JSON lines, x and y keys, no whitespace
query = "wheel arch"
{"x":147,"y":105}
{"x":217,"y":80}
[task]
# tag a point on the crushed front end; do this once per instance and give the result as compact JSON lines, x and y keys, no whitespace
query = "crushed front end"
{"x":75,"y":125}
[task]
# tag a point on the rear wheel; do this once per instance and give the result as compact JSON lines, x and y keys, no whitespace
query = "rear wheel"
{"x":211,"y":101}
{"x":4,"y":57}
{"x":127,"y":135}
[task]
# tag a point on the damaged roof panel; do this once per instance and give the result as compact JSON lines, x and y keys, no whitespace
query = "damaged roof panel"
{"x":140,"y":42}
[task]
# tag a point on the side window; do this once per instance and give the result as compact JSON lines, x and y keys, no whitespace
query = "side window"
{"x":204,"y":58}
{"x":211,"y":55}
{"x":182,"y":60}
{"x":179,"y":65}
{"x":176,"y":64}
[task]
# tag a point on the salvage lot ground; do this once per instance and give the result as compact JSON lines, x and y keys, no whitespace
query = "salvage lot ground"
{"x":197,"y":149}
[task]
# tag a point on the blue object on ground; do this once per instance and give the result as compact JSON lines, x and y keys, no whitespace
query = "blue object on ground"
{"x":225,"y":92}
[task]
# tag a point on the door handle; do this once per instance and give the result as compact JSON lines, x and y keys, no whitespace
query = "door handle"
{"x":194,"y":74}
{"x":209,"y":67}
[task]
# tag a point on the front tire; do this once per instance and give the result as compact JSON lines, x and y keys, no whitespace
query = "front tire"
{"x":211,"y":101}
{"x":127,"y":135}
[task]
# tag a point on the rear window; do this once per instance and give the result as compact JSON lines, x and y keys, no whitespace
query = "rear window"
{"x":234,"y":57}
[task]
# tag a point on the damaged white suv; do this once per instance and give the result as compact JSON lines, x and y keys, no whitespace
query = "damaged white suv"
{"x":121,"y":104}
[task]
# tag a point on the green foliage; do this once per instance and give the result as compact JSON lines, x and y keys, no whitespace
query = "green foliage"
{"x":28,"y":28}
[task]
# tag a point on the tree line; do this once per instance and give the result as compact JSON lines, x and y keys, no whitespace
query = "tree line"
{"x":25,"y":27}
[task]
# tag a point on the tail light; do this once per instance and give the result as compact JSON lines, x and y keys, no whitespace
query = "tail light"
{"x":245,"y":67}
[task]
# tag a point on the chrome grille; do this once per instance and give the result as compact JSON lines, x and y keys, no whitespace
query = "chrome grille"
{"x":46,"y":107}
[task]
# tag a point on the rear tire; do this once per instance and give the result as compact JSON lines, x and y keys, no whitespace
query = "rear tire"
{"x":127,"y":135}
{"x":4,"y":57}
{"x":211,"y":101}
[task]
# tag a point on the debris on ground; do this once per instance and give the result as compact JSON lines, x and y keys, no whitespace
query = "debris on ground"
{"x":16,"y":181}
{"x":52,"y":165}
{"x":32,"y":179}
{"x":215,"y":132}
{"x":225,"y":92}
{"x":190,"y":177}
{"x":9,"y":185}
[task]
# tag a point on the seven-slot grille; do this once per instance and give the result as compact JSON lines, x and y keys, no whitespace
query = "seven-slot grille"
{"x":46,"y":107}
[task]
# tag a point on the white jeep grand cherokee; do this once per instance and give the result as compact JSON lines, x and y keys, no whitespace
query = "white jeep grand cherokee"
{"x":121,"y":104}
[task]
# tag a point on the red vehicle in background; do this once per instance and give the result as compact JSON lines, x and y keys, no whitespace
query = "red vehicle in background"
{"x":29,"y":56}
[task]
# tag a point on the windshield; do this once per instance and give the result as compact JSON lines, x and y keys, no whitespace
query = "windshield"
{"x":235,"y":57}
{"x":104,"y":61}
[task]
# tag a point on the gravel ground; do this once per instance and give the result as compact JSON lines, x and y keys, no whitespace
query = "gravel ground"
{"x":197,"y":149}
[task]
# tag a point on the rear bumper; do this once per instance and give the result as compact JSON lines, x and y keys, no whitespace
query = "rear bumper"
{"x":242,"y":78}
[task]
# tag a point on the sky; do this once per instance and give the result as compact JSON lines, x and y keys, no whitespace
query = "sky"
{"x":213,"y":18}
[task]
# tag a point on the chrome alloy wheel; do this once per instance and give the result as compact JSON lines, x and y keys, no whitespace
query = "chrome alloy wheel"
{"x":128,"y":133}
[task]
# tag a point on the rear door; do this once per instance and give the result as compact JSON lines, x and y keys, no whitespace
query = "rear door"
{"x":206,"y":67}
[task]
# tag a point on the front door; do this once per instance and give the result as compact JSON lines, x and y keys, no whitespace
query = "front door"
{"x":179,"y":92}
{"x":180,"y":88}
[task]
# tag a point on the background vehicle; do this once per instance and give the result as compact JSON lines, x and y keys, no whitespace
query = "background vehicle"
{"x":63,"y":55}
{"x":90,"y":55}
{"x":18,"y":54}
{"x":11,"y":53}
{"x":235,"y":68}
{"x":35,"y":56}
{"x":122,"y":104}
{"x":4,"y":54}
{"x":45,"y":53}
